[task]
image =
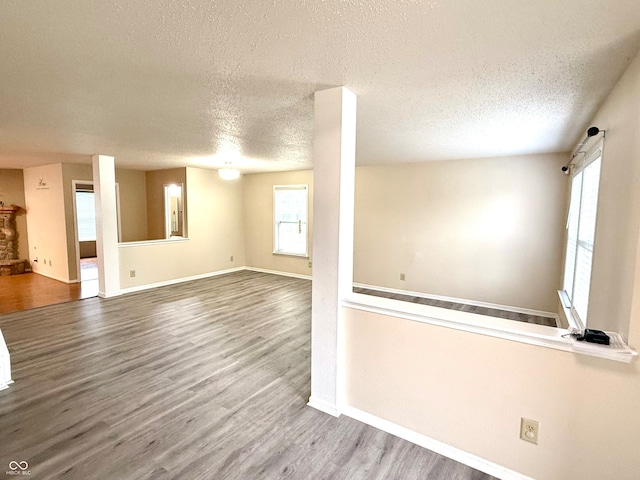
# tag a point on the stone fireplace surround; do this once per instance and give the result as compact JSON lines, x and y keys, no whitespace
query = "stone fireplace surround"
{"x":10,"y":264}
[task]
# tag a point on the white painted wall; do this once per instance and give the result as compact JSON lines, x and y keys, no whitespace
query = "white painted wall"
{"x":489,"y":230}
{"x":455,"y":229}
{"x":216,"y":232}
{"x":132,"y":186}
{"x":618,"y":221}
{"x":469,"y":391}
{"x":258,"y":221}
{"x":46,"y":221}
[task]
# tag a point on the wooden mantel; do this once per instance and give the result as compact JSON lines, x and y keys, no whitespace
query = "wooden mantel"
{"x":4,"y":209}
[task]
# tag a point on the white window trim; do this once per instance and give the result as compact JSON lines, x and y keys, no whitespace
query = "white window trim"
{"x":595,"y":152}
{"x":301,"y":186}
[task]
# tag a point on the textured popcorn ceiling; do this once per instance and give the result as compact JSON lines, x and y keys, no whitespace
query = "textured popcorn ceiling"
{"x":159,"y":83}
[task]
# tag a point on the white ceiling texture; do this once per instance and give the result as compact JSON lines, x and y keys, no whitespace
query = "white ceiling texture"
{"x":162,"y":83}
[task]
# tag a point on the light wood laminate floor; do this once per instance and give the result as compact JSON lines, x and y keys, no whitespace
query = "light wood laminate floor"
{"x":202,"y":380}
{"x":31,"y":290}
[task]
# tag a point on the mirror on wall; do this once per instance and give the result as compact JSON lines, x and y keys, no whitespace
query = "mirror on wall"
{"x":173,"y":211}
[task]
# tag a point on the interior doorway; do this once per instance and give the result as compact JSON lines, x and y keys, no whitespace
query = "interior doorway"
{"x":84,"y":207}
{"x":84,"y":210}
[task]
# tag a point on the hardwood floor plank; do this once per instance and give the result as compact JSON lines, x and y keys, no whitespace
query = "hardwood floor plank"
{"x":202,"y":380}
{"x":31,"y":290}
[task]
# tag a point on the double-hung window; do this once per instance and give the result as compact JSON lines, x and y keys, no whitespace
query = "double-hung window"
{"x":291,"y":210}
{"x":581,"y":227}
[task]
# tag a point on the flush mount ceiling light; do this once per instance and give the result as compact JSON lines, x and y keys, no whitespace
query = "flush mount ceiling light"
{"x":228,"y":173}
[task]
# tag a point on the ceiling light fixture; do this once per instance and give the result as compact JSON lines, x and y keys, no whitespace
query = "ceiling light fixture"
{"x":228,"y":173}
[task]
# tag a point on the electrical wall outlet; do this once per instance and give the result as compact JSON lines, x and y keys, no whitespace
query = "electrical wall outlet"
{"x":231,"y":258}
{"x":132,"y":273}
{"x":309,"y":265}
{"x":529,"y":430}
{"x":402,"y":277}
{"x":49,"y":262}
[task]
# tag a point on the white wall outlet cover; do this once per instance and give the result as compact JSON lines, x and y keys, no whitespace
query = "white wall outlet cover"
{"x":529,"y":430}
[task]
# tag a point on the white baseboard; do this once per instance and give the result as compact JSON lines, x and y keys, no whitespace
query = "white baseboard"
{"x":110,"y":295}
{"x":276,"y":272}
{"x":4,"y":386}
{"x":323,"y":406}
{"x":436,"y":446}
{"x":53,"y":277}
{"x":475,"y":303}
{"x":173,"y":281}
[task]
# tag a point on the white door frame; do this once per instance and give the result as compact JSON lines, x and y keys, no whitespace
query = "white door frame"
{"x":74,"y":184}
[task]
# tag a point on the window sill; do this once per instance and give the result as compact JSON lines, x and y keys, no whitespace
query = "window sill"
{"x":297,"y":255}
{"x":549,"y":337}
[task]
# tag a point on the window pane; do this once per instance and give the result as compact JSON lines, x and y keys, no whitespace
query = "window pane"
{"x":291,"y":205}
{"x":290,"y":216}
{"x":589,"y":204}
{"x":292,"y":239}
{"x":572,"y":234}
{"x":586,"y":236}
{"x":580,"y":298}
{"x":86,"y":212}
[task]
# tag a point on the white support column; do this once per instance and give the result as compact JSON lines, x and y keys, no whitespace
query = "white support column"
{"x":333,"y":201}
{"x":104,"y":184}
{"x":5,"y":364}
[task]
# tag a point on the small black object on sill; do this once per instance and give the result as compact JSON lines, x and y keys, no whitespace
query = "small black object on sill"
{"x":594,"y":336}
